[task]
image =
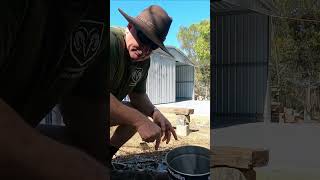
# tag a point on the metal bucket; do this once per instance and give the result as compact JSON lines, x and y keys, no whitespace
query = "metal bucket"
{"x":188,"y":163}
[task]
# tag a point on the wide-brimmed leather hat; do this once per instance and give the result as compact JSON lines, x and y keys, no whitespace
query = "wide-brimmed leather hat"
{"x":154,"y":22}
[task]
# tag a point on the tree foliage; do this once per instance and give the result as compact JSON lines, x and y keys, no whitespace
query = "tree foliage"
{"x":195,"y":41}
{"x":295,"y":62}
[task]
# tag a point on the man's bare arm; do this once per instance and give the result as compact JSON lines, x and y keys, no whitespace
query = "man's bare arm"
{"x":27,"y":154}
{"x":126,"y":115}
{"x":141,"y":102}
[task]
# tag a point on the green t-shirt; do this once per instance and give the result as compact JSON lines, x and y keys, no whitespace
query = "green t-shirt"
{"x":126,"y":76}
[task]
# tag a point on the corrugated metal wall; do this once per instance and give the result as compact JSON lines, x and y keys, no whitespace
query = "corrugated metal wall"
{"x":184,"y":82}
{"x":170,"y":79}
{"x":265,"y":7}
{"x":240,"y":64}
{"x":161,"y":81}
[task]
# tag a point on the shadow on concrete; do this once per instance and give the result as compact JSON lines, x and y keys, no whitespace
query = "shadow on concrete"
{"x":217,"y":122}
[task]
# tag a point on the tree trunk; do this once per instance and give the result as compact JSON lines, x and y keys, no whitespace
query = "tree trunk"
{"x":307,"y":105}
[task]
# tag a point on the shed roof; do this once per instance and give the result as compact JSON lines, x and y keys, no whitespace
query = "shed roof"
{"x":259,"y":6}
{"x":179,"y":56}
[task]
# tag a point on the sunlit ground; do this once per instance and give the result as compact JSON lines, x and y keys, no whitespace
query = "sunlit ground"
{"x":199,"y":135}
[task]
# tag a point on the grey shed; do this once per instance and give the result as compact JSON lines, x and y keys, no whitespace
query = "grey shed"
{"x":240,"y":56}
{"x":170,"y":79}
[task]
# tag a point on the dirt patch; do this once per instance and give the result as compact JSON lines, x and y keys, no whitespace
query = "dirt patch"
{"x":199,"y":135}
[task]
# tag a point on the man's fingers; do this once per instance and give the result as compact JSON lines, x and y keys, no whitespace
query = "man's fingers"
{"x":148,"y":139}
{"x":152,"y":138}
{"x":158,"y":142}
{"x":163,"y":126}
{"x":174,"y":133}
{"x":169,"y":135}
{"x":164,"y":137}
{"x":163,"y":134}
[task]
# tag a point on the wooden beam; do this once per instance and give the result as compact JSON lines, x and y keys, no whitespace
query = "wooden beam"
{"x":176,"y":110}
{"x":245,"y":158}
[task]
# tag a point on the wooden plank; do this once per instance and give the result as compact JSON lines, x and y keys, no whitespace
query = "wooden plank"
{"x":176,"y":110}
{"x":245,"y":158}
{"x":183,"y":119}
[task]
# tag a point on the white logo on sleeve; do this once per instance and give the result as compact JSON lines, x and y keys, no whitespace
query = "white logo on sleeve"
{"x":136,"y":76}
{"x":86,"y":40}
{"x":83,"y":46}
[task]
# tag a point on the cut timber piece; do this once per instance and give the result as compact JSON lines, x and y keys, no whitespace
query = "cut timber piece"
{"x":183,"y":119}
{"x":245,"y":158}
{"x":182,"y":130}
{"x":176,"y":110}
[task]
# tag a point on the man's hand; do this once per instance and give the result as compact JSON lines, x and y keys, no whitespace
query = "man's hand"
{"x":142,"y":103}
{"x":166,"y":127}
{"x":149,"y":132}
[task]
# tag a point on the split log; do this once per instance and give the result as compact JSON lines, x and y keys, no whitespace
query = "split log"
{"x":244,"y":158}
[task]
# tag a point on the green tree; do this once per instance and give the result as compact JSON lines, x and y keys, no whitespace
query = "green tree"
{"x":195,"y":41}
{"x":295,"y":62}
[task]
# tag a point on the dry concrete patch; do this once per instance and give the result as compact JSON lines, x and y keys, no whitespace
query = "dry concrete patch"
{"x":294,"y":148}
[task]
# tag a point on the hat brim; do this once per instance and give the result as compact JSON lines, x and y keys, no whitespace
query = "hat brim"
{"x":147,"y":31}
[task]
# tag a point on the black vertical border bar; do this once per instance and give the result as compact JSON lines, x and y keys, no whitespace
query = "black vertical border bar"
{"x":213,"y":69}
{"x":107,"y":25}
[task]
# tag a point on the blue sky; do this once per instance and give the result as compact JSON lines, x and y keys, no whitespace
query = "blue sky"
{"x":183,"y":12}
